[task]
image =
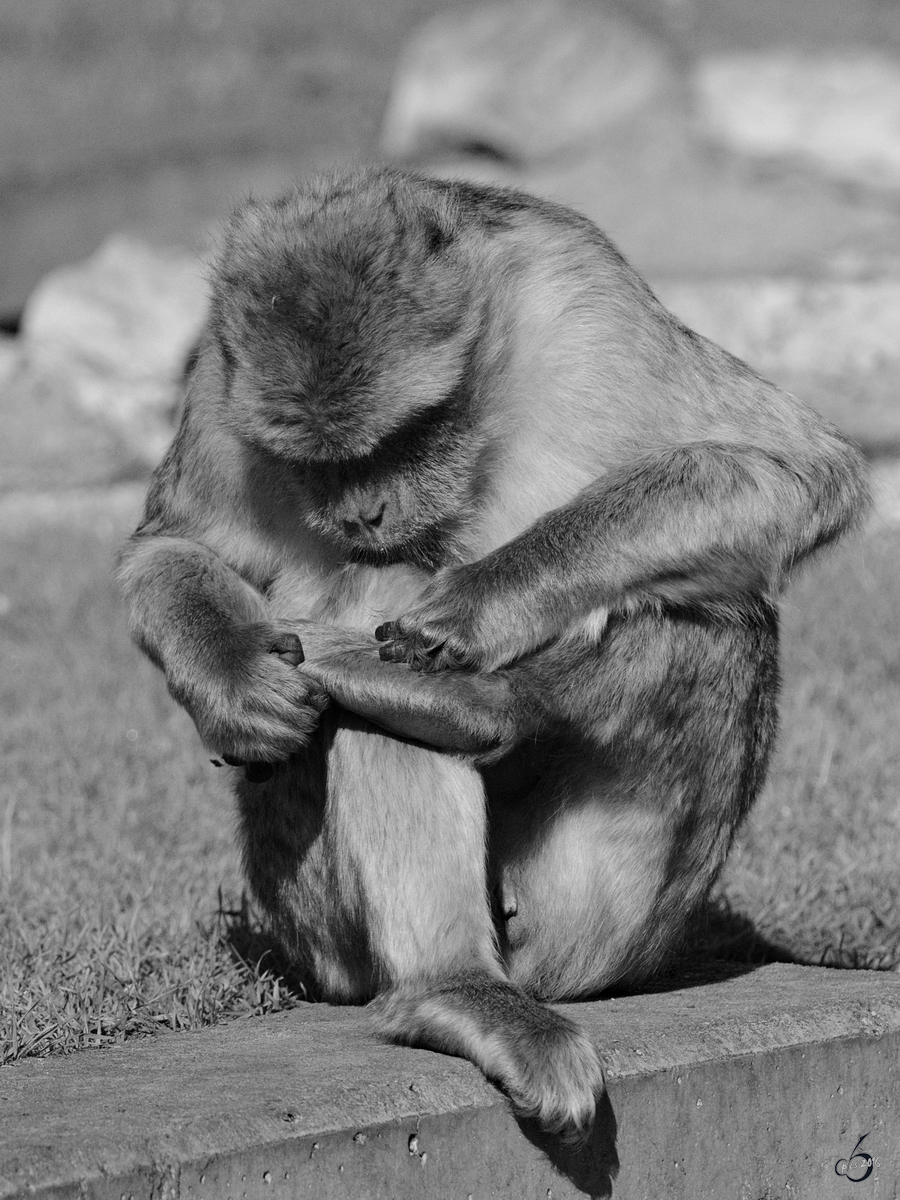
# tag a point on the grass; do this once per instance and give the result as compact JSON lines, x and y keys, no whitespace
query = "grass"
{"x":120,"y":888}
{"x":121,"y":908}
{"x":816,"y":866}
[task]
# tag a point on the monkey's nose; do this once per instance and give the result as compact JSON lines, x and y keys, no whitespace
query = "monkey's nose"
{"x":374,"y":516}
{"x":366,"y":519}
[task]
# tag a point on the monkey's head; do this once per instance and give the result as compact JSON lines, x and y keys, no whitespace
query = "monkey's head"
{"x":349,"y":322}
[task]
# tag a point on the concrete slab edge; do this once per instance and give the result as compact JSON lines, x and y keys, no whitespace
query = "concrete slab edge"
{"x":746,"y":1086}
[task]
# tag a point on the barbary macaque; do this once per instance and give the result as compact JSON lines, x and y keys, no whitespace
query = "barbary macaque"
{"x":476,"y":549}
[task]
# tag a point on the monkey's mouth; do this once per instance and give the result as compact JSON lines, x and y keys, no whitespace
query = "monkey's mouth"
{"x":428,"y":549}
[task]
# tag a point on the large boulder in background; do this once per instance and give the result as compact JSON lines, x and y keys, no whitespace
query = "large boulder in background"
{"x":580,"y":105}
{"x":838,"y":112}
{"x":110,"y":336}
{"x":522,"y":79}
{"x":833,"y":341}
{"x":49,"y":444}
{"x":832,"y":326}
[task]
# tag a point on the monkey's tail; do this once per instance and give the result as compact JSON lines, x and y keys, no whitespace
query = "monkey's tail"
{"x":542,"y":1059}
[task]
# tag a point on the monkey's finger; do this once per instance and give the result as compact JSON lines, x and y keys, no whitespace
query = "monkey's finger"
{"x":388,"y":632}
{"x":231,"y":761}
{"x":288,"y":647}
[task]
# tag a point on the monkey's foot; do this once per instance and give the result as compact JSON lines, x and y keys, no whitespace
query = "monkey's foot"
{"x":544,"y":1062}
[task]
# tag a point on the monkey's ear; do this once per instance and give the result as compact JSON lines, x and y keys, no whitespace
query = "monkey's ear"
{"x":437,"y":236}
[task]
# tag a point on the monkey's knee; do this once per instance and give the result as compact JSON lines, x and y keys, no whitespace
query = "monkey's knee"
{"x":577,"y":905}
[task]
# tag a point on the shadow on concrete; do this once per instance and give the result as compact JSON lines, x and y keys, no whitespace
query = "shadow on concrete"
{"x":591,"y":1166}
{"x":721,"y":945}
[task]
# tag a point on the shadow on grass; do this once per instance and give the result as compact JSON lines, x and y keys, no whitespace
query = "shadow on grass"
{"x":721,"y":933}
{"x":259,"y":951}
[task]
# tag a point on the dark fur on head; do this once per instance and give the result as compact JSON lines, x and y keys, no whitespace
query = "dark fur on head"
{"x":349,"y":321}
{"x":346,"y":313}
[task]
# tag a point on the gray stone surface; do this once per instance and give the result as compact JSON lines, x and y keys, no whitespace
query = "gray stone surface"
{"x":833,"y":341}
{"x":839,"y":112}
{"x":753,"y":1085}
{"x":110,"y":336}
{"x":675,"y":208}
{"x":148,"y":116}
{"x":48,"y":443}
{"x":155,"y":117}
{"x":795,"y":324}
{"x":522,"y":78}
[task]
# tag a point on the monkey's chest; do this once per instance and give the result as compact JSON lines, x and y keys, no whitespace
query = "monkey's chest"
{"x":352,"y":596}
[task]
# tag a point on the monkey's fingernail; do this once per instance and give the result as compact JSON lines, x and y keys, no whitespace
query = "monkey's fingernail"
{"x":232,"y":761}
{"x":391,"y":652}
{"x":386,"y":632}
{"x":259,"y":772}
{"x":295,"y":658}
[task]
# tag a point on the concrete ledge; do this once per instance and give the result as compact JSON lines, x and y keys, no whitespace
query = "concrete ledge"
{"x":754,"y":1085}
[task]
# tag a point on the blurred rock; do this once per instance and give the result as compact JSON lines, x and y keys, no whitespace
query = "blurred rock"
{"x":674,"y":208}
{"x":155,"y":116}
{"x":49,"y":444}
{"x":104,"y":510}
{"x":831,"y":326}
{"x":110,"y":337}
{"x":834,"y":342}
{"x":521,"y":80}
{"x":885,"y":481}
{"x":839,"y":112}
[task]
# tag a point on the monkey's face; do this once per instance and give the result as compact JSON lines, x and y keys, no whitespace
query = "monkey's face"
{"x":348,"y":330}
{"x":405,"y":500}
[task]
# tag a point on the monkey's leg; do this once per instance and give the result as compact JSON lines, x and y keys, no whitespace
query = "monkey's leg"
{"x":603,"y":863}
{"x":472,"y":714}
{"x":385,"y":891}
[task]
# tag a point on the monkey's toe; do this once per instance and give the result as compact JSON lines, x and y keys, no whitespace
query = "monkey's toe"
{"x":289,"y":648}
{"x":393,"y":652}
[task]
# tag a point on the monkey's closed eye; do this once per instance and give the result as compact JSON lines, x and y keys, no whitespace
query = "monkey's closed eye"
{"x":254,"y":772}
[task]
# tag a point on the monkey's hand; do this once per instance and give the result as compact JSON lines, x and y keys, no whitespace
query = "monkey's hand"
{"x":249,"y":699}
{"x":465,"y":619}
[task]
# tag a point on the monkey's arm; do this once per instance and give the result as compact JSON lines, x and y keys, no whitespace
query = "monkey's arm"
{"x":237,"y":673}
{"x":700,"y":525}
{"x":224,"y":660}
